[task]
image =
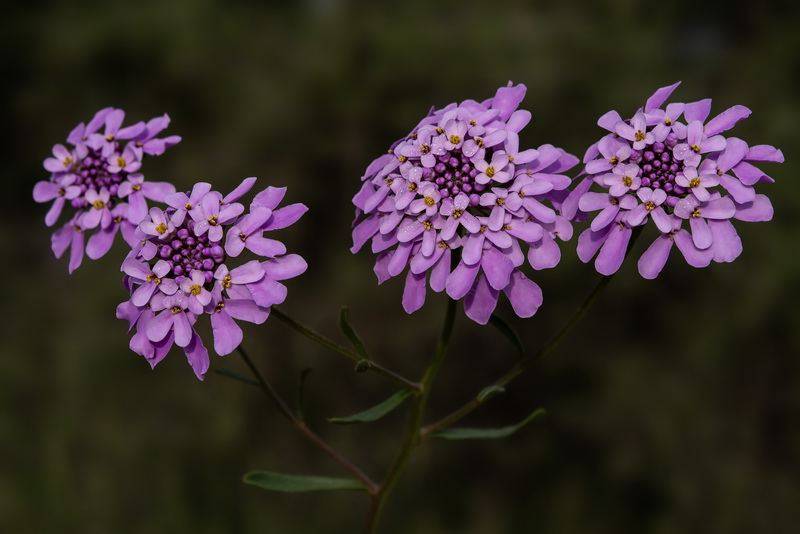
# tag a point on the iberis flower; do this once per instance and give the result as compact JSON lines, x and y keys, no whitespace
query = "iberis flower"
{"x":456,"y":200}
{"x":99,"y":176}
{"x":673,"y":167}
{"x":185,"y":265}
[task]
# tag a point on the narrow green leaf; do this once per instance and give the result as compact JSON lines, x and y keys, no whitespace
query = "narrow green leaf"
{"x":508,"y":331}
{"x":486,"y":433}
{"x":490,"y":391}
{"x":295,"y":483}
{"x":376,"y":412}
{"x":238,"y":376}
{"x":349,"y":331}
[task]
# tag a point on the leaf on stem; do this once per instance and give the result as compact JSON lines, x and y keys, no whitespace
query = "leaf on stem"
{"x":486,"y":433}
{"x":508,"y":331}
{"x":296,"y":483}
{"x":490,"y":391}
{"x":376,"y":412}
{"x":238,"y":376}
{"x":349,"y":331}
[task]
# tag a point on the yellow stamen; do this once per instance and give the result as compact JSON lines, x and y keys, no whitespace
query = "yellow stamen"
{"x":120,"y":162}
{"x":213,"y":220}
{"x":137,"y":187}
{"x":457,"y":213}
{"x":99,"y":204}
{"x":639,"y":136}
{"x":668,"y":122}
{"x":500,"y":201}
{"x":695,"y":148}
{"x":694,"y":182}
{"x":402,"y":159}
{"x":153,"y":278}
{"x":176,"y":310}
{"x":427,"y":225}
{"x":627,"y":181}
{"x":195,"y":290}
{"x":226,"y":282}
{"x":161,"y":228}
{"x":650,"y":205}
{"x":455,"y":139}
{"x":412,"y":186}
{"x":430,"y":201}
{"x":696,"y":213}
{"x":613,"y":161}
{"x":489,"y":171}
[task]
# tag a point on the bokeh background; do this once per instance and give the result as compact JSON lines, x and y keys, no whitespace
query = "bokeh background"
{"x":673,"y":408}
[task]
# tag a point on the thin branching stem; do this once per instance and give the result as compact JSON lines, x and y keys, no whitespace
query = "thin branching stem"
{"x":369,"y":365}
{"x":413,"y":435}
{"x":524,"y":364}
{"x":301,"y":427}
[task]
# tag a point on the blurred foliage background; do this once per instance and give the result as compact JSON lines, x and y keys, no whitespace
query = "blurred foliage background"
{"x":673,"y":408}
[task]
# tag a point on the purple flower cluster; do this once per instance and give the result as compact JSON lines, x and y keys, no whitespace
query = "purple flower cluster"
{"x":181,"y":268}
{"x":99,"y":176}
{"x":459,"y":182}
{"x":670,"y":165}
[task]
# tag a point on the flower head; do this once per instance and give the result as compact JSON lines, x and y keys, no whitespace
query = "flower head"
{"x":670,"y":165}
{"x":182,"y":268}
{"x":98,"y":175}
{"x":459,"y":182}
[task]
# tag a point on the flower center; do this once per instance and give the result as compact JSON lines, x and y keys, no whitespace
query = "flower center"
{"x":161,"y":228}
{"x":694,"y":182}
{"x":455,"y":139}
{"x":650,"y":205}
{"x":226,"y":281}
{"x":627,"y":181}
{"x":639,"y":136}
{"x":490,"y":171}
{"x":430,"y":201}
{"x":213,"y":220}
{"x":195,"y":290}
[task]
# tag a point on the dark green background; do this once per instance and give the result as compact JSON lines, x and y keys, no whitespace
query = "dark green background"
{"x":673,"y":408}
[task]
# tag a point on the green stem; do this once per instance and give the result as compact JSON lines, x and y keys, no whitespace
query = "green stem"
{"x":332,"y":345}
{"x":524,"y":364}
{"x":413,"y":434}
{"x":301,"y":427}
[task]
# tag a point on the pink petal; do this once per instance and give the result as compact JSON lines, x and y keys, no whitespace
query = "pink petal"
{"x":525,"y":296}
{"x":227,"y":334}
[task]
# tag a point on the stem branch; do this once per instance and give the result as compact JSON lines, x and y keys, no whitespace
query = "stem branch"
{"x":344,"y":351}
{"x":301,"y":427}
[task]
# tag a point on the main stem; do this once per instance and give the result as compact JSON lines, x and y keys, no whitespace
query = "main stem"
{"x":413,"y":434}
{"x":301,"y":427}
